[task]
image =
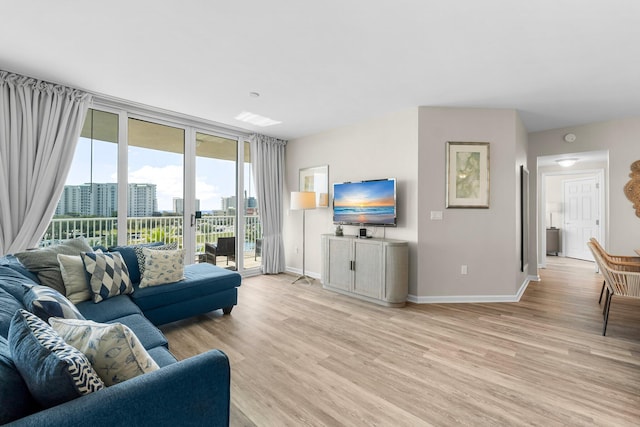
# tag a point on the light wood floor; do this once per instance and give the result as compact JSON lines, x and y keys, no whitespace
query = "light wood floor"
{"x":303,"y":356}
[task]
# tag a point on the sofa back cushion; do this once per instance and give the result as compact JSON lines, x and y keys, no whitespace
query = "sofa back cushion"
{"x":44,"y":262}
{"x":128,"y":253}
{"x":54,"y":371}
{"x":15,"y":399}
{"x":8,"y":307}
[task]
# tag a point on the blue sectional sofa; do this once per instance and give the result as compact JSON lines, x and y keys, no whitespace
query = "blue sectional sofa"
{"x":195,"y":391}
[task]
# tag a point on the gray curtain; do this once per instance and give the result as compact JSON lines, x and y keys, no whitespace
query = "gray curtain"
{"x":40,"y":124}
{"x":267,"y":159}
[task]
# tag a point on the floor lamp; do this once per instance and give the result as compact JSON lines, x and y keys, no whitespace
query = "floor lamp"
{"x":303,"y":200}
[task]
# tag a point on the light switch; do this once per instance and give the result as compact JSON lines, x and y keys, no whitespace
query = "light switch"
{"x":436,"y":215}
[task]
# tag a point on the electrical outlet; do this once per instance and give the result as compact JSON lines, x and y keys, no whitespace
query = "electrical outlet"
{"x":463,"y":269}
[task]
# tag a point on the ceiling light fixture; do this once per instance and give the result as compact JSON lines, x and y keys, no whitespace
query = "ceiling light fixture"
{"x":568,"y":162}
{"x":256,"y":119}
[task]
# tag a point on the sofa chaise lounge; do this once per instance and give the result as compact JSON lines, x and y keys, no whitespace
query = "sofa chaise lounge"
{"x":195,"y":391}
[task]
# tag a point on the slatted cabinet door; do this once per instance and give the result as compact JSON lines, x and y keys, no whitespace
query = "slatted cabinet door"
{"x":368,"y":268}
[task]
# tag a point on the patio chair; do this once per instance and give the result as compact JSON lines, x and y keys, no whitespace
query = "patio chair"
{"x":225,"y":246}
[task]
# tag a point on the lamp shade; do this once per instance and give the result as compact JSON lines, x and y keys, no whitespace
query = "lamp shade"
{"x":303,"y":200}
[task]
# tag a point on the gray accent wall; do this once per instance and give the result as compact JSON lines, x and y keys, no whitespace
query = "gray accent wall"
{"x":410,"y":146}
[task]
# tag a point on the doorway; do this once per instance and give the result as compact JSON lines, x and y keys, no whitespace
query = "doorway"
{"x":557,"y":213}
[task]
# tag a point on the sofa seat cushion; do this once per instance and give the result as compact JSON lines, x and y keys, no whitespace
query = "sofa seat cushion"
{"x":162,"y":356}
{"x":201,"y":280}
{"x":15,"y":398}
{"x":109,"y":309}
{"x":148,"y":335}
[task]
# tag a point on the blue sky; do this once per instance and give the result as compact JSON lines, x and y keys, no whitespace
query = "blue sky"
{"x":214,"y":178}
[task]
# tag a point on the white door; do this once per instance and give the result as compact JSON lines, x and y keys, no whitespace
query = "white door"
{"x":581,"y":216}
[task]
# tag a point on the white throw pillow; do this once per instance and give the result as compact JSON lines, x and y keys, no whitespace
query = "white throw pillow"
{"x":112,"y":348}
{"x":74,"y":277}
{"x":162,"y":266}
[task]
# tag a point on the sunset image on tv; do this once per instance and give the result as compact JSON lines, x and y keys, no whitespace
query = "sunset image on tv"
{"x":368,"y":202}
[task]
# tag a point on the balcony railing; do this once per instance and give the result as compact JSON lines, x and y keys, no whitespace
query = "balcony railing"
{"x":104,"y":231}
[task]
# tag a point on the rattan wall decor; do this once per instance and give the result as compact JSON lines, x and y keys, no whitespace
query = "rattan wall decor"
{"x":632,"y":188}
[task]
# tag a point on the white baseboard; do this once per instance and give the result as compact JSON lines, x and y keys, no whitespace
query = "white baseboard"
{"x":474,"y":298}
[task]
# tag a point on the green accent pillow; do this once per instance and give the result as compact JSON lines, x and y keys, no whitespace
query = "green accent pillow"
{"x":44,"y":262}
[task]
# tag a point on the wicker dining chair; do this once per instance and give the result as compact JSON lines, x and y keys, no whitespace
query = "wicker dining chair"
{"x":617,"y":262}
{"x":618,"y":282}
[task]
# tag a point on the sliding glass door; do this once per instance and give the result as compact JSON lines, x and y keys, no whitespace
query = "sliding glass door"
{"x":155,"y":182}
{"x":138,"y":179}
{"x":216,"y":201}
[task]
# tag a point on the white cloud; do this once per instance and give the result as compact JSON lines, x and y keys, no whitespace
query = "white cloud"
{"x":169,"y":182}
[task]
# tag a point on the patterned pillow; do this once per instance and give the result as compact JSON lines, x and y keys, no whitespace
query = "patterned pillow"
{"x":54,"y":371}
{"x":162,"y":267}
{"x":140,"y":253}
{"x":45,"y":302}
{"x":74,"y":277}
{"x":112,"y":348}
{"x":108,"y":275}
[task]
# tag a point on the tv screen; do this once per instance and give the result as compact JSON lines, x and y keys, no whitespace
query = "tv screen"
{"x":365,"y":203}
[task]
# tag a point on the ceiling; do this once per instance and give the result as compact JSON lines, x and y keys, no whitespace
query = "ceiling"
{"x":321,"y":65}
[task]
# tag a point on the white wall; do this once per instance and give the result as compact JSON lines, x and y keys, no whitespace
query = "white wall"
{"x":620,"y":138}
{"x":382,"y":148}
{"x":486,"y":240}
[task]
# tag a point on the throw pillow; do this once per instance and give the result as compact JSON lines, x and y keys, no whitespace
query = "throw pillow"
{"x":108,"y":275}
{"x":14,"y":394}
{"x":44,"y":262}
{"x":162,"y":267}
{"x":140,"y":253}
{"x":54,"y":371}
{"x":45,"y":302}
{"x":112,"y":348}
{"x":74,"y":277}
{"x":129,"y":255}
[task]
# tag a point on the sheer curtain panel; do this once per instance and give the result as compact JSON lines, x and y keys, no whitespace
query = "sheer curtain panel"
{"x":268,"y":171}
{"x":40,"y":124}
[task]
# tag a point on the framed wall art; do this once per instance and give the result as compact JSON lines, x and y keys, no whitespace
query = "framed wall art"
{"x":316,"y":179}
{"x":467,"y":175}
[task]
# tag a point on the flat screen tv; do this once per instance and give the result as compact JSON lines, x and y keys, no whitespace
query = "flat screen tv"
{"x":365,"y":203}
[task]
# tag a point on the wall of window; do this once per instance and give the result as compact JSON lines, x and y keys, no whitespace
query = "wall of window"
{"x":141,"y":175}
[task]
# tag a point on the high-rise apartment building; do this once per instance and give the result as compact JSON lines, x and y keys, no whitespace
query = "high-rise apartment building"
{"x":178,"y":205}
{"x":101,"y":199}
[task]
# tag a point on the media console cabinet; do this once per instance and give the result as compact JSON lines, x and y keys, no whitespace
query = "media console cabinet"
{"x":375,"y":270}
